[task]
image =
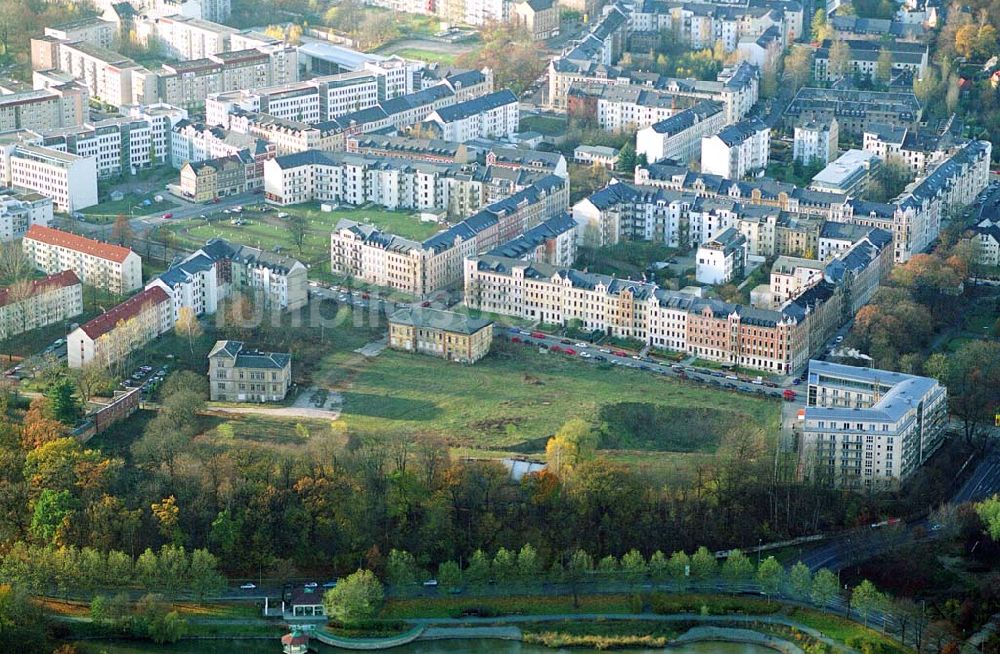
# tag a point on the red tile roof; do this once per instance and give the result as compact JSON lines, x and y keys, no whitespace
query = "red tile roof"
{"x":59,"y":280}
{"x":79,"y":243}
{"x":130,"y":308}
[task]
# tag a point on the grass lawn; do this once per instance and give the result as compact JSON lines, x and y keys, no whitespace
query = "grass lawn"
{"x":445,"y":58}
{"x":130,"y":205}
{"x":512,"y":402}
{"x":268,"y":232}
{"x":445,"y":607}
{"x":547,"y":125}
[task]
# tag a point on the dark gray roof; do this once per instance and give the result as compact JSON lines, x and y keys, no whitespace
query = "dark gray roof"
{"x":430,"y":318}
{"x":527,"y":242}
{"x":741,"y":131}
{"x":476,"y":106}
{"x":249,"y":358}
{"x":685,"y":119}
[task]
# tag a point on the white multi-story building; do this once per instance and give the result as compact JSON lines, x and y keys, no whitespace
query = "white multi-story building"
{"x":986,"y":235}
{"x":792,"y":275}
{"x":54,"y":299}
{"x":737,"y":151}
{"x":112,"y":336}
{"x":679,"y":137}
{"x":848,"y":174}
{"x":193,"y":142}
{"x":68,"y":179}
{"x":108,"y":76}
{"x":491,"y":116}
{"x":722,"y":259}
{"x":863,"y":56}
{"x":119,"y":145}
{"x":19,"y":210}
{"x":815,"y":142}
{"x":863,"y":428}
{"x":916,"y":150}
{"x":162,"y":119}
{"x":104,"y":265}
{"x":181,"y":37}
{"x":552,"y":241}
{"x":94,"y":30}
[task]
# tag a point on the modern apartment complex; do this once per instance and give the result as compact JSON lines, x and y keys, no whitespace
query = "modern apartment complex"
{"x":444,"y":334}
{"x":43,"y":109}
{"x":237,"y":373}
{"x":40,"y":302}
{"x":113,"y":336}
{"x":68,"y":179}
{"x":678,"y":138}
{"x":737,"y":151}
{"x":864,"y":428}
{"x":111,"y":267}
{"x":419,"y":268}
{"x":19,"y":210}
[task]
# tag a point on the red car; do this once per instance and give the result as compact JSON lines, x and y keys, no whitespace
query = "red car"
{"x":555,"y":348}
{"x":619,"y":353}
{"x":515,"y":339}
{"x":570,"y":351}
{"x":789,"y":395}
{"x":537,"y":335}
{"x":168,"y":216}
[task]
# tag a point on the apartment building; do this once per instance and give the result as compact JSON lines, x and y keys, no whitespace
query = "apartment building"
{"x":914,"y":218}
{"x":848,"y":174}
{"x":616,"y":108}
{"x":220,"y":268}
{"x":676,"y":321}
{"x":409,"y":147}
{"x":43,"y":109}
{"x":864,"y":428}
{"x":113,"y":336}
{"x":204,"y":181}
{"x":815,"y":142}
{"x":877,"y":29}
{"x":287,"y":136}
{"x":443,"y":334}
{"x":68,"y":179}
{"x":702,"y":24}
{"x":722,"y":259}
{"x":910,"y":147}
{"x":183,"y":37}
{"x":111,"y":267}
{"x":521,"y":159}
{"x":188,"y":84}
{"x":863,"y":56}
{"x":552,"y":241}
{"x":490,"y":116}
{"x":40,"y":302}
{"x":836,"y":237}
{"x":790,"y":276}
{"x":94,"y":30}
{"x":737,"y":151}
{"x":19,"y":210}
{"x":162,"y":118}
{"x":854,"y":110}
{"x":313,"y":101}
{"x":108,"y":75}
{"x":861,"y":268}
{"x":390,"y":182}
{"x":539,"y":17}
{"x":678,"y":138}
{"x":986,"y":235}
{"x":759,"y":192}
{"x":419,"y":268}
{"x":237,"y":373}
{"x":193,"y":142}
{"x":119,"y":146}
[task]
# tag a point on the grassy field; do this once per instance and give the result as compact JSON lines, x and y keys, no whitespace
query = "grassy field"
{"x":266,"y":231}
{"x":512,"y":403}
{"x":544,"y":124}
{"x":445,"y":58}
{"x":130,"y":205}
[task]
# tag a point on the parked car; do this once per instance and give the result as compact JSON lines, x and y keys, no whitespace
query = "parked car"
{"x":248,"y":586}
{"x":168,"y":216}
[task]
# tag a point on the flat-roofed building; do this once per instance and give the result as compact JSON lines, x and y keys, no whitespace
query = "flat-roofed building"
{"x":722,"y":259}
{"x":848,"y":174}
{"x":68,"y":179}
{"x":19,"y":210}
{"x":864,"y":427}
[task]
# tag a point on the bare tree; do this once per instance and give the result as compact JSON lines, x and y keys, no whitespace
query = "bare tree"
{"x":187,"y":325}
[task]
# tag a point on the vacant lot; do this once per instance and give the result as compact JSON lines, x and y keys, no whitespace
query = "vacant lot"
{"x":130,"y":205}
{"x":268,"y":232}
{"x":513,"y":402}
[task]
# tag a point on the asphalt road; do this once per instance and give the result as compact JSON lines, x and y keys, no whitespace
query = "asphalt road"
{"x":591,"y":353}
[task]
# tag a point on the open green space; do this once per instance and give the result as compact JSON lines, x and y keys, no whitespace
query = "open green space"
{"x":267,"y":231}
{"x":130,"y":205}
{"x":547,"y":125}
{"x":432,"y":56}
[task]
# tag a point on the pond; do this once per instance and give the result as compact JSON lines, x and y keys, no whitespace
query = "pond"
{"x":430,"y":647}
